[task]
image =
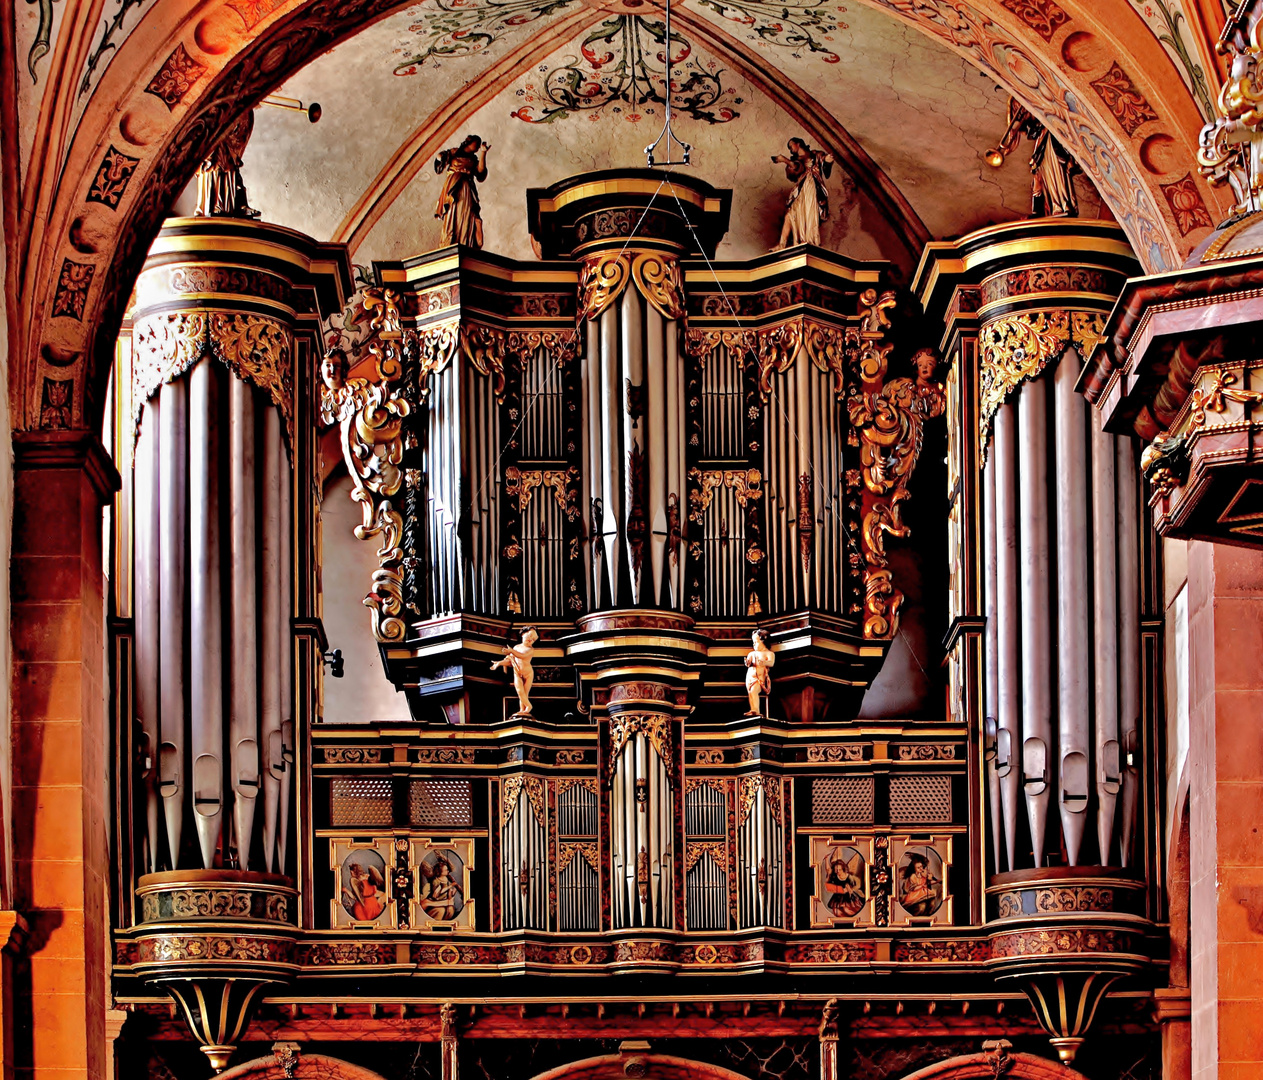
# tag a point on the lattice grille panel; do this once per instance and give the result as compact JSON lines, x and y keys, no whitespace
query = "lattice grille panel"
{"x":361,"y":801}
{"x":440,"y":803}
{"x":920,"y":798}
{"x":842,"y":800}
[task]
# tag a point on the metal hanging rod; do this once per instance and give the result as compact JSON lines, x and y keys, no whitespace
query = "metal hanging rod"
{"x":667,"y":132}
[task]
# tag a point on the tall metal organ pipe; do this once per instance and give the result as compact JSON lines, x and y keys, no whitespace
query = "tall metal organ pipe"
{"x":1067,"y":619}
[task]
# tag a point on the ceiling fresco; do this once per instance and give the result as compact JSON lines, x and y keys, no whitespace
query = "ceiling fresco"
{"x":747,"y":76}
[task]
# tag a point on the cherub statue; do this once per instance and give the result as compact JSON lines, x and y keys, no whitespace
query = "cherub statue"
{"x":759,"y":661}
{"x":220,"y":190}
{"x":808,"y":204}
{"x":1052,"y":192}
{"x":458,"y":205}
{"x":518,"y":657}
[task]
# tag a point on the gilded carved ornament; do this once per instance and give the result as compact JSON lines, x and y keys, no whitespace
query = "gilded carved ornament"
{"x":656,"y":276}
{"x":255,"y":348}
{"x":370,"y":414}
{"x":1231,"y":145}
{"x":748,"y":790}
{"x":1165,"y":462}
{"x":520,"y":484}
{"x":745,"y":484}
{"x":655,"y":727}
{"x":514,"y":786}
{"x":1017,"y":348}
{"x":717,"y":850}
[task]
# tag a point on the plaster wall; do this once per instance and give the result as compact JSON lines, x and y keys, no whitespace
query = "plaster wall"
{"x":363,"y":695}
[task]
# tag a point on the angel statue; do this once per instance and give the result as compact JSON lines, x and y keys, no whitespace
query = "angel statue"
{"x":220,"y":190}
{"x":759,"y":661}
{"x":458,"y":205}
{"x":518,"y":657}
{"x":1052,"y":192}
{"x":808,"y":204}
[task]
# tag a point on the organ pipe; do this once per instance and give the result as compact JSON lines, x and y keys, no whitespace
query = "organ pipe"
{"x":1073,"y":630}
{"x":1036,"y":639}
{"x":991,"y":651}
{"x":173,"y":451}
{"x":148,"y":504}
{"x":1128,"y":538}
{"x":1104,"y":615}
{"x":1008,"y":671}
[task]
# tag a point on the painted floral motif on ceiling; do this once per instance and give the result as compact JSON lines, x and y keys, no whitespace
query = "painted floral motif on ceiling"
{"x":1167,"y":21}
{"x":447,"y":29}
{"x":621,"y":72}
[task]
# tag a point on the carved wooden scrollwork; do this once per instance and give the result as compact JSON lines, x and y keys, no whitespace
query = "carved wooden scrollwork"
{"x":654,"y":726}
{"x":1017,"y":348}
{"x":255,"y":348}
{"x":484,"y":347}
{"x":656,"y":276}
{"x":370,"y":414}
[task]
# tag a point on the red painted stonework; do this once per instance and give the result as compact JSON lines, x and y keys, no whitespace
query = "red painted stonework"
{"x":60,"y":750}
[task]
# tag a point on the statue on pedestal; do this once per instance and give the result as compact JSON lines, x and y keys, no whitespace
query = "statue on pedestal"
{"x":1052,"y":191}
{"x":220,"y":190}
{"x":518,"y":657}
{"x":808,"y":204}
{"x":458,"y":205}
{"x":759,"y":661}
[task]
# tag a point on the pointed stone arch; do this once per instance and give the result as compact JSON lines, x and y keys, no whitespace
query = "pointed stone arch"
{"x":987,"y":1065}
{"x":280,"y":1065}
{"x":647,"y":1065}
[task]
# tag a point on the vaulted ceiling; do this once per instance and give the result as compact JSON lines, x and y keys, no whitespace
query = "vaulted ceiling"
{"x":562,"y":87}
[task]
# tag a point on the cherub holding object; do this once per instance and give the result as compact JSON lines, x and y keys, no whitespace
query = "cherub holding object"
{"x":759,"y":661}
{"x":518,"y":657}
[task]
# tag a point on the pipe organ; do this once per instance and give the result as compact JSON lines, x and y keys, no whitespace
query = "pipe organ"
{"x":1049,"y":599}
{"x":599,"y":489}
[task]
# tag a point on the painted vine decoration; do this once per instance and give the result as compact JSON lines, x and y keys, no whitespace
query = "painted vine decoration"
{"x":621,"y":65}
{"x":449,"y":29}
{"x":802,"y":26}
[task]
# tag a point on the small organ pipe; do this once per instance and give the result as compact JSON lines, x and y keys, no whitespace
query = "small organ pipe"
{"x":286,"y":764}
{"x":656,"y":446}
{"x":1105,"y":621}
{"x":147,"y":518}
{"x":990,"y":565}
{"x":244,"y":706}
{"x":1073,"y":629}
{"x":1128,"y":528}
{"x":632,"y":357}
{"x":273,"y":628}
{"x":1008,"y":666}
{"x":675,"y":364}
{"x":592,"y":475}
{"x":207,"y":655}
{"x":173,"y":480}
{"x":612,"y":396}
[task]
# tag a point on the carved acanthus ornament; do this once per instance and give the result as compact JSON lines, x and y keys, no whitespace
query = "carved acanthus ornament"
{"x":656,"y":276}
{"x":654,"y":726}
{"x":748,"y":791}
{"x":587,"y":852}
{"x":519,"y":484}
{"x":255,"y":348}
{"x":745,"y":484}
{"x":430,"y":349}
{"x":889,"y":419}
{"x":485,"y":347}
{"x":371,"y":413}
{"x":1016,"y":348}
{"x":717,"y":850}
{"x":514,"y":786}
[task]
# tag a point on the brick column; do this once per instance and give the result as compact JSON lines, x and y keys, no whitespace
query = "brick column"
{"x":60,"y":750}
{"x":1225,"y":633}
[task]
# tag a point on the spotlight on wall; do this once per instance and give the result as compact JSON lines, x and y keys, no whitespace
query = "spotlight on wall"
{"x":278,"y":102}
